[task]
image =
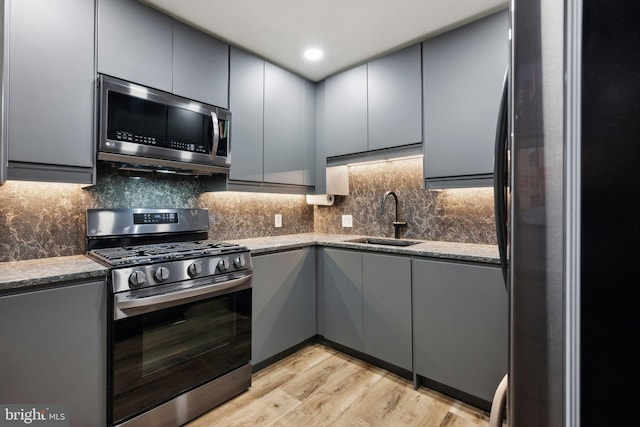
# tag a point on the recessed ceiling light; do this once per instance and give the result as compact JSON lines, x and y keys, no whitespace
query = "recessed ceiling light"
{"x":313,"y":54}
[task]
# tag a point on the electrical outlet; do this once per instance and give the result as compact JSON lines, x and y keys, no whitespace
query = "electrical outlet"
{"x":278,"y":220}
{"x":347,"y":221}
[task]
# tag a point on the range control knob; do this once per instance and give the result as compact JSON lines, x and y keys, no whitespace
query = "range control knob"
{"x":162,"y":274}
{"x":194,"y":269}
{"x":239,"y":262}
{"x":223,"y":264}
{"x":137,"y":279}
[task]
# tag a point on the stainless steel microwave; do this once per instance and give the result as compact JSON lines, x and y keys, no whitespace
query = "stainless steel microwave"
{"x":147,"y":129}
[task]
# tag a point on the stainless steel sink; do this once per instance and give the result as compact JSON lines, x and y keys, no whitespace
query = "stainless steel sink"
{"x":383,"y":241}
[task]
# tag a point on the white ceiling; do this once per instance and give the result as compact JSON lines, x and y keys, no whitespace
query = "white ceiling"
{"x":349,"y":32}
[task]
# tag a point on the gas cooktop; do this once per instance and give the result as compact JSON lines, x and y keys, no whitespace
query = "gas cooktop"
{"x":144,"y":254}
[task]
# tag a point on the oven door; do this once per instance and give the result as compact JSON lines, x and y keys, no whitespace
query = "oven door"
{"x":176,"y":347}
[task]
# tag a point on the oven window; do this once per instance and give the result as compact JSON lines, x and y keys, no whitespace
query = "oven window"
{"x":171,"y":339}
{"x":159,"y":355}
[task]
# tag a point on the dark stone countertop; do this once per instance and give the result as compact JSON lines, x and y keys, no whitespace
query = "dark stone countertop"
{"x":16,"y":276}
{"x":431,"y":249}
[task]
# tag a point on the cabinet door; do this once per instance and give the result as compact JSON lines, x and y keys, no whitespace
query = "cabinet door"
{"x":51,"y":82}
{"x":284,"y":302}
{"x":309,"y":133}
{"x":463,"y":76}
{"x":54,"y":349}
{"x":283,"y":122}
{"x":321,"y":140}
{"x":342,"y":279}
{"x":346,"y":112}
{"x":135,"y":43}
{"x":387,"y":308}
{"x":395,"y":99}
{"x":246,"y":95}
{"x":200,"y":66}
{"x":460,"y":324}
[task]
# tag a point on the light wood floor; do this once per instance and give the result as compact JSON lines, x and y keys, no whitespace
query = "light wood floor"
{"x":319,"y":386}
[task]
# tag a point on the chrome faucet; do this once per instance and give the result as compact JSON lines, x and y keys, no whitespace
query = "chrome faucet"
{"x":398,"y":223}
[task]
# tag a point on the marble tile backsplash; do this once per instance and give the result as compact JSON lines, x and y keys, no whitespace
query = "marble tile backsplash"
{"x":39,"y":220}
{"x":461,"y":215}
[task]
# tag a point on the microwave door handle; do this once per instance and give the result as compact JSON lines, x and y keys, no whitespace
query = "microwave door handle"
{"x":216,"y":135}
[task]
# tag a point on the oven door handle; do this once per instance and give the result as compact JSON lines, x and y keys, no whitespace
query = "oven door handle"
{"x":136,"y":306}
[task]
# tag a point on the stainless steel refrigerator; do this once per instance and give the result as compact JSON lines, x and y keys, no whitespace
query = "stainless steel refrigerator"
{"x":572,"y":211}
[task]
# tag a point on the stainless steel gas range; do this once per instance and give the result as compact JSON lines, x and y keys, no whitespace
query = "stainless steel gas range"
{"x":180,"y":314}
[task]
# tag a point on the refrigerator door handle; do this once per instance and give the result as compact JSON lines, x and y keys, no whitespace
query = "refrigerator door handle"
{"x":500,"y":172}
{"x":499,"y":404}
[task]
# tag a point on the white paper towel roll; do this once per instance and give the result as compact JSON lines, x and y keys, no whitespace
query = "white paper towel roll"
{"x":320,"y":199}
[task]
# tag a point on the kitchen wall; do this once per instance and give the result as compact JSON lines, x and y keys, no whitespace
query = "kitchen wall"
{"x":461,"y":215}
{"x":40,"y":220}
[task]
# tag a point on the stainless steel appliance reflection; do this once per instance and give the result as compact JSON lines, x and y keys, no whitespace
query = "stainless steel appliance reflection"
{"x":180,"y":315}
{"x":571,"y":206}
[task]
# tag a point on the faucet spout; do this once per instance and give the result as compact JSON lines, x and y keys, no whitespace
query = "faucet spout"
{"x":398,"y":223}
{"x":384,"y":199}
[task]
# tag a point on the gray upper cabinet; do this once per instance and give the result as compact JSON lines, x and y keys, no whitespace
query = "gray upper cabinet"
{"x":200,"y":66}
{"x":246,"y":101}
{"x":135,"y":43}
{"x":283,"y":126}
{"x":284,"y":302}
{"x":387,"y":308}
{"x":464,"y":71}
{"x":143,"y":45}
{"x":346,"y":112}
{"x":460,"y":320}
{"x":309,"y":133}
{"x":395,"y":100}
{"x":375,"y":106}
{"x":320,"y":138}
{"x":54,"y":350}
{"x":48,"y":125}
{"x":273,"y":125}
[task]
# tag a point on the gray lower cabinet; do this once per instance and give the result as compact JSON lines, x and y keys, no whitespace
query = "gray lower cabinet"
{"x":464,"y":70}
{"x":54,"y":350}
{"x":284,"y":302}
{"x":342,"y":298}
{"x":386,"y":297}
{"x":48,"y":124}
{"x":460,"y":325}
{"x":367,"y":304}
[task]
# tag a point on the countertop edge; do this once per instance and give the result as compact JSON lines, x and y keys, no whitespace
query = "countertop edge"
{"x":34,"y":274}
{"x":18,"y":276}
{"x":469,"y":252}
